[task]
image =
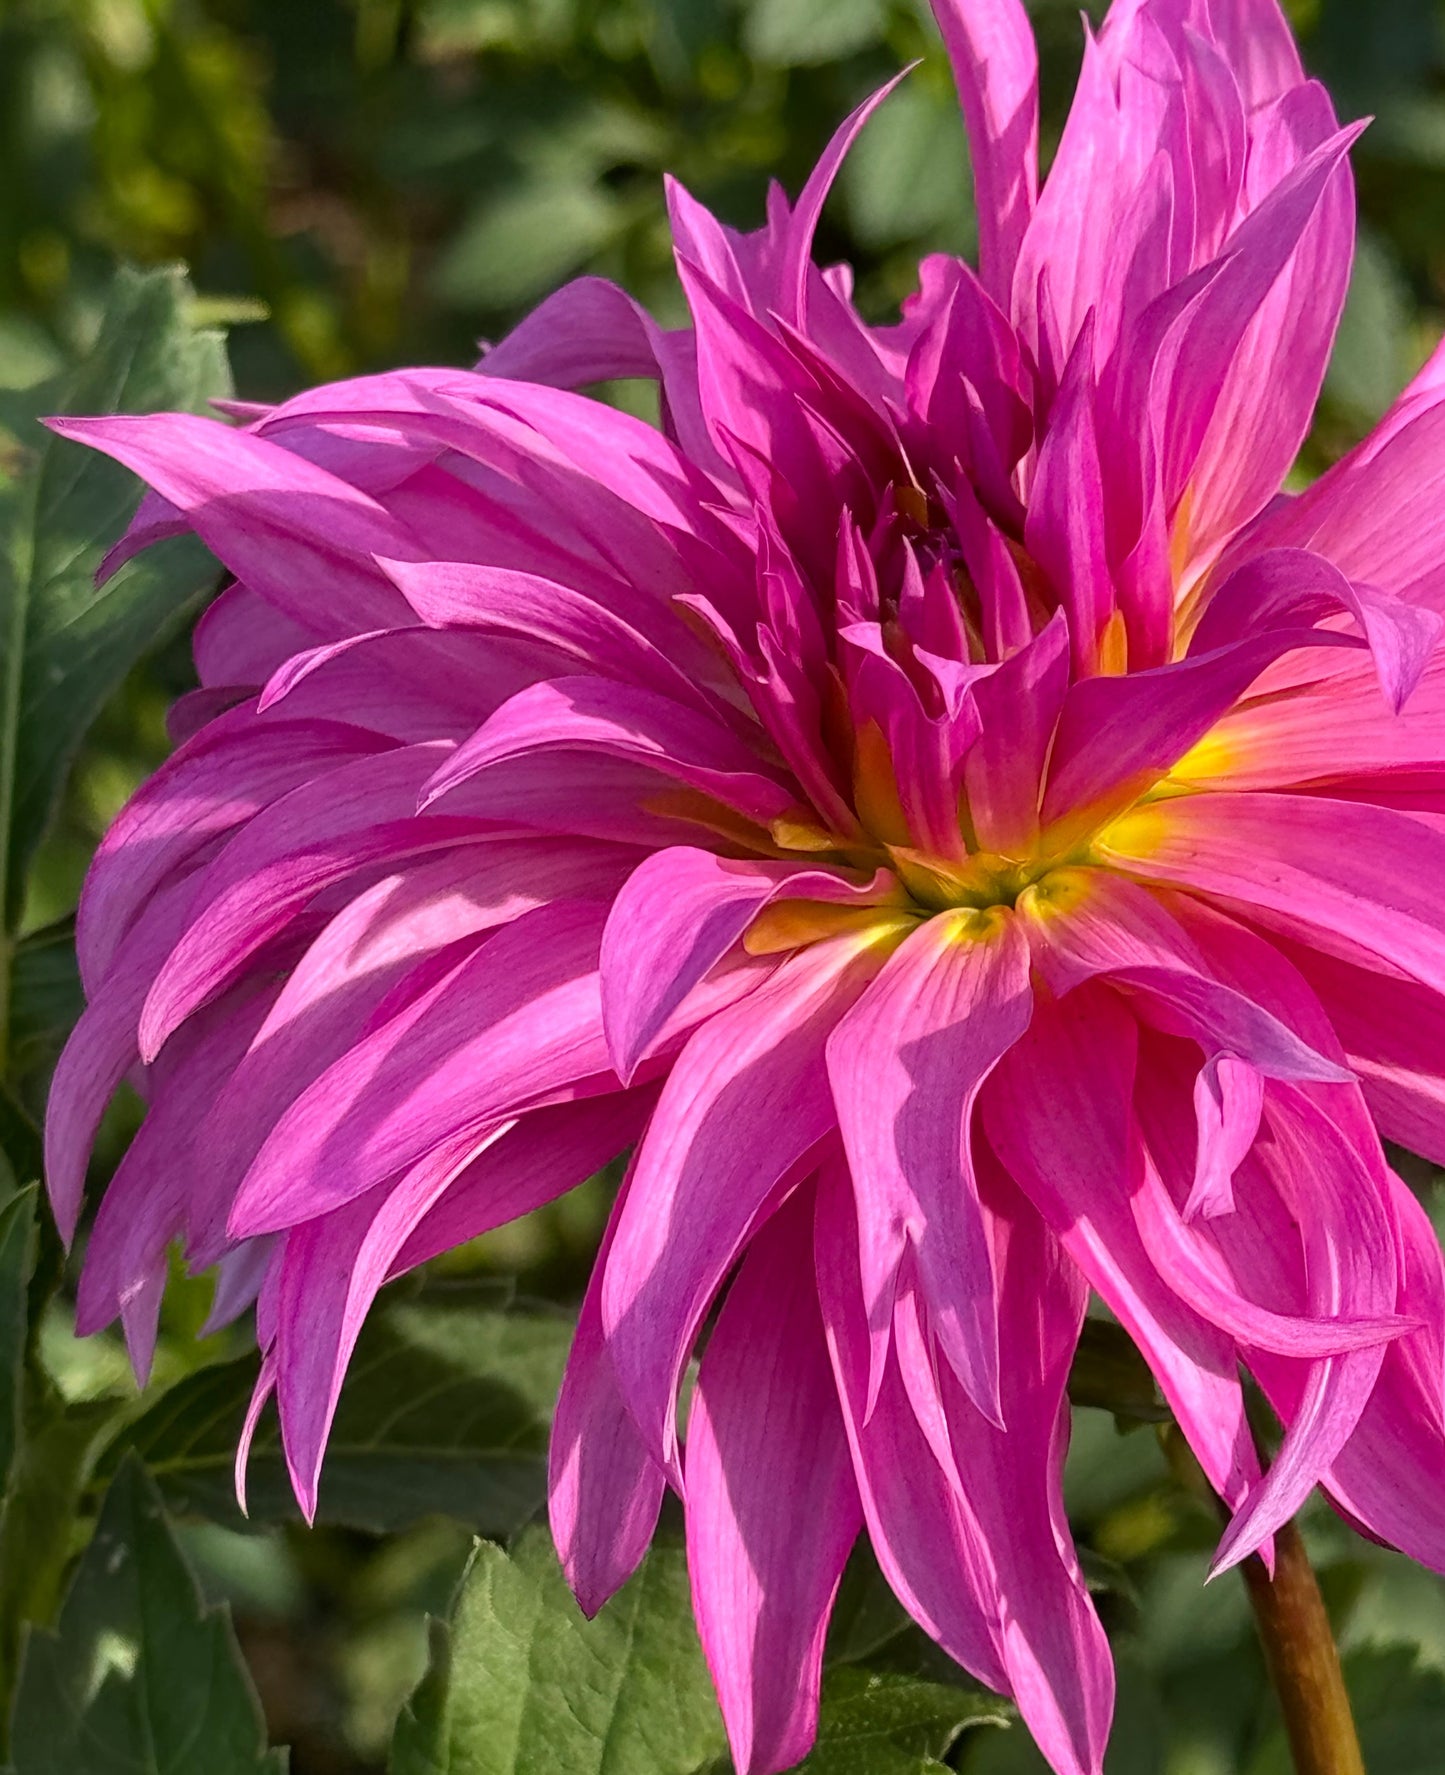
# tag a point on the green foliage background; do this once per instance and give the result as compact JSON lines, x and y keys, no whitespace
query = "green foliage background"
{"x":354,"y":184}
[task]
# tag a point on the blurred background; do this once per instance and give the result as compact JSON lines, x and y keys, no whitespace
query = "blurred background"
{"x":355,"y":184}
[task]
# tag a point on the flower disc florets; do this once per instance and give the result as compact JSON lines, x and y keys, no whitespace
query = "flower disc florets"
{"x":932,"y":800}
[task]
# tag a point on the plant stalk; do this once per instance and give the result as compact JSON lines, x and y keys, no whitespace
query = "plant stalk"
{"x":1304,"y":1666}
{"x":1299,"y":1644}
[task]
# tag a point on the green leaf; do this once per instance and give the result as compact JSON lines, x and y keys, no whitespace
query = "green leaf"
{"x":38,"y":1525}
{"x":1369,"y":364}
{"x":46,"y":995}
{"x":791,"y":33}
{"x":522,"y":1683}
{"x":20,"y":1142}
{"x":883,"y":1722}
{"x":514,"y":247}
{"x":139,"y":1678}
{"x":445,"y":1411}
{"x":17,"y":1257}
{"x":1108,"y":1372}
{"x":65,"y":645}
{"x":906,"y":176}
{"x":1398,"y":1705}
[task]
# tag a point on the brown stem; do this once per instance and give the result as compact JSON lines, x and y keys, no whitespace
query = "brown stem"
{"x":1304,"y":1666}
{"x":1299,"y":1644}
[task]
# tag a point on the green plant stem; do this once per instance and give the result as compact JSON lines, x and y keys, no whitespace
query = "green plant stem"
{"x":1304,"y":1664}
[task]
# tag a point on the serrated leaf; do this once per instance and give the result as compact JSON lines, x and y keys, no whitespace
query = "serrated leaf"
{"x":139,"y":1678}
{"x":17,"y":1257}
{"x":445,"y":1411}
{"x":523,"y":1683}
{"x":882,"y":1722}
{"x":65,"y":644}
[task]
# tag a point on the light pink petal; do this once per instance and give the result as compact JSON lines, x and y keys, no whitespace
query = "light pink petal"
{"x":219,"y":781}
{"x":746,"y":1102}
{"x":926,"y":1544}
{"x":1228,"y":1099}
{"x":772,"y":1505}
{"x":1118,"y":735}
{"x":1322,"y":729}
{"x":604,"y":1488}
{"x":906,"y":1066}
{"x":1186,"y":340}
{"x":1249,"y":447}
{"x":1058,"y":1111}
{"x":991,"y":46}
{"x":1200,"y":1277}
{"x":589,"y":714}
{"x":330,"y":1270}
{"x":1293,"y":586}
{"x":1087,"y":925}
{"x":1394,"y":1033}
{"x":297,"y":535}
{"x":512,"y":1023}
{"x":678,"y":915}
{"x":1371,"y":513}
{"x":1347,"y":879}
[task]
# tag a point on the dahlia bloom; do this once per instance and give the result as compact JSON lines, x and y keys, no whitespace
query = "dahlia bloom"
{"x":934,"y":800}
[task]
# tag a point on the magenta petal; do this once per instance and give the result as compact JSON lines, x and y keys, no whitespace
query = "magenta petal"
{"x":926,"y":1545}
{"x":906,"y":1066}
{"x":330,"y":1271}
{"x":625,"y":722}
{"x":1059,"y":1113}
{"x":677,"y":916}
{"x":772,"y":1506}
{"x":254,"y":504}
{"x":537,"y":1158}
{"x":1228,"y":1099}
{"x":991,"y":46}
{"x":747,"y":1100}
{"x":1345,"y":878}
{"x":1350,"y":1265}
{"x":230,"y":772}
{"x":1090,"y":925}
{"x":511,"y":1024}
{"x":588,"y":331}
{"x":604,"y":1488}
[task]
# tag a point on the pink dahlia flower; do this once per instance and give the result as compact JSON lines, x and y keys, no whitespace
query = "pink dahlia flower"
{"x":934,"y":800}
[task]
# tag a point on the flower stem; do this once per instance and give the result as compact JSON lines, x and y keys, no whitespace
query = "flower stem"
{"x":1304,"y":1665}
{"x":1299,"y":1644}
